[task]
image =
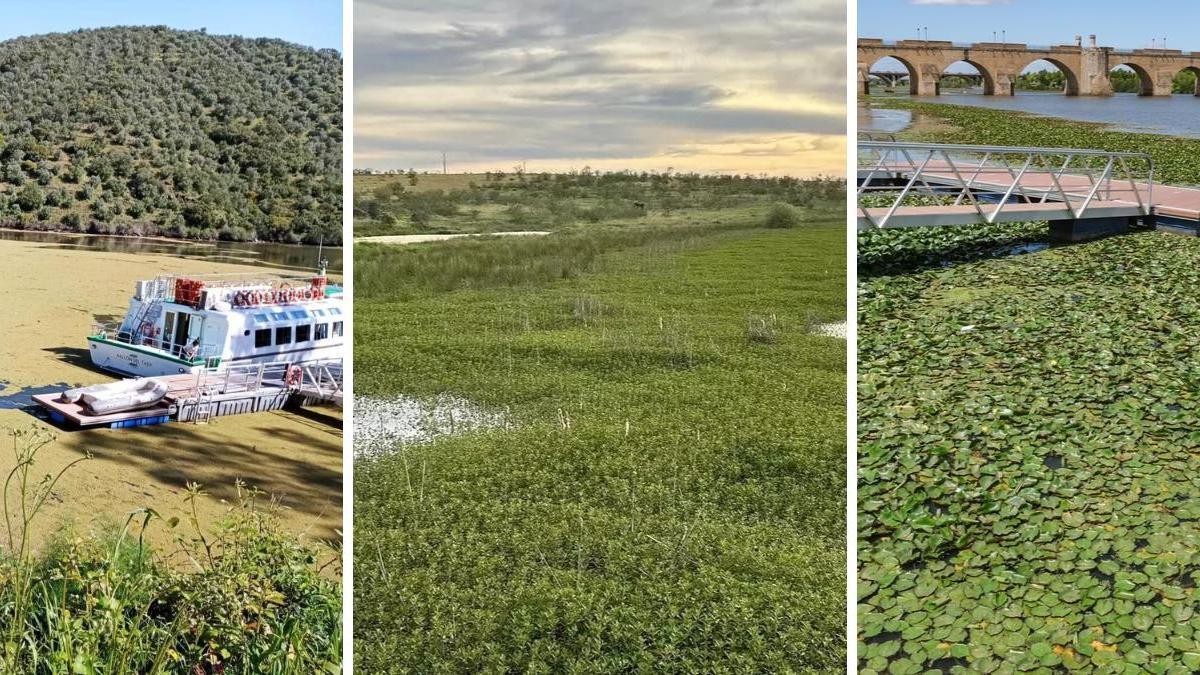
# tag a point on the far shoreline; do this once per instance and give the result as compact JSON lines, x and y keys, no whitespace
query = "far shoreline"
{"x":159,"y":237}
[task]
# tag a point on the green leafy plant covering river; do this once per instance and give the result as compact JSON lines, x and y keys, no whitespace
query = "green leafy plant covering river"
{"x":1028,"y":494}
{"x":667,"y":494}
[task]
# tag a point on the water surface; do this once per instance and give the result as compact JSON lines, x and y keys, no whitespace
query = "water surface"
{"x":1177,"y":115}
{"x":278,"y":256}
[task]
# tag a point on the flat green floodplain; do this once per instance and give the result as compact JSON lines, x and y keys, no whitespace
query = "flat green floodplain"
{"x":670,"y":493}
{"x":1028,"y":499}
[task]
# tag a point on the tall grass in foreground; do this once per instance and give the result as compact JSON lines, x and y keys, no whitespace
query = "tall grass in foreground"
{"x":244,"y":597}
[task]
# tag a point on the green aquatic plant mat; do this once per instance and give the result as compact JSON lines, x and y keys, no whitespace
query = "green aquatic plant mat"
{"x":1027,"y":488}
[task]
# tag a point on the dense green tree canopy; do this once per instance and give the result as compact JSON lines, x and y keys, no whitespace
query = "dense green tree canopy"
{"x":149,"y":130}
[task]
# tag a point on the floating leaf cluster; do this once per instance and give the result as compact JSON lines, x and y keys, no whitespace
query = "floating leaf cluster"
{"x":1028,"y":435}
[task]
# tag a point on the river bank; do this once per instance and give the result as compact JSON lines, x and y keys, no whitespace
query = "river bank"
{"x":299,"y":257}
{"x":54,"y":295}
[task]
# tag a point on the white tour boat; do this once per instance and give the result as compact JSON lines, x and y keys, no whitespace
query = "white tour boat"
{"x":178,"y":324}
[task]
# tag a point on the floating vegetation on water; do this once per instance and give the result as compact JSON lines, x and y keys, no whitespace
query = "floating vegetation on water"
{"x":669,"y":495}
{"x":1027,"y":489}
{"x":382,"y":424}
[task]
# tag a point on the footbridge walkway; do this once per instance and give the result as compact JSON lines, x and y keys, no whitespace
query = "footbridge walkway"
{"x":1081,"y":193}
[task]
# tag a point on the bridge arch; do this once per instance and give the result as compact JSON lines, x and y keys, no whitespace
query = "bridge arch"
{"x":885,"y":60}
{"x":987,"y":80}
{"x":1145,"y":82}
{"x":1071,"y":78}
{"x":1195,"y":73}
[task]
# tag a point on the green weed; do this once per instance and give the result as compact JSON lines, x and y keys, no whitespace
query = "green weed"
{"x":243,"y":597}
{"x":667,"y":496}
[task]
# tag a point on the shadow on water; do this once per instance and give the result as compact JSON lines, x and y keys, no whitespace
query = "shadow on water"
{"x":276,"y":256}
{"x":78,"y":357}
{"x":22,"y":399}
{"x":911,"y":260}
{"x":179,"y":453}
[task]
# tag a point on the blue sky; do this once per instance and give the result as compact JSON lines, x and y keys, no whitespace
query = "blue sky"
{"x":316,"y":23}
{"x":1123,"y":25}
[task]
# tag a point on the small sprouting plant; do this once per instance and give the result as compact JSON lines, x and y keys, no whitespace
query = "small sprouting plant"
{"x":763,"y":330}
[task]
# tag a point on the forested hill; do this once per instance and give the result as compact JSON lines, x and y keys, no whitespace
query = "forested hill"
{"x":150,"y":130}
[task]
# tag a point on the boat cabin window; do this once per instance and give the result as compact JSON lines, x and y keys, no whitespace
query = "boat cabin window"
{"x":283,"y":335}
{"x":322,"y":331}
{"x":337,"y":329}
{"x":262,"y":337}
{"x":303,"y":333}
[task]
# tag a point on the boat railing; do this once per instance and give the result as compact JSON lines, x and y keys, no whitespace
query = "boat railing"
{"x":233,"y":379}
{"x":236,"y":279}
{"x":202,"y":355}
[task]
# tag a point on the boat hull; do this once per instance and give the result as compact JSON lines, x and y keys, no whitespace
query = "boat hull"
{"x":129,"y":360}
{"x":134,"y":361}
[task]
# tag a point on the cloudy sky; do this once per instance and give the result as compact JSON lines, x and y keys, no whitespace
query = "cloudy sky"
{"x":711,"y":85}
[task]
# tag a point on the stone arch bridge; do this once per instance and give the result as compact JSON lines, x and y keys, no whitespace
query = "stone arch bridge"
{"x":1000,"y":63}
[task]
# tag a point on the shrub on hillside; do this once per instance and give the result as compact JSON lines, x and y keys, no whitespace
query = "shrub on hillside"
{"x":783,"y":216}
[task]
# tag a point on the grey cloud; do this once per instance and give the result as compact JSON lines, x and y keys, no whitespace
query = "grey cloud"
{"x":575,"y":82}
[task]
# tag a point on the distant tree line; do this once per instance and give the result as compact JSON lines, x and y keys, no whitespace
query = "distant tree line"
{"x":546,"y":199}
{"x":154,"y":131}
{"x":1123,"y":81}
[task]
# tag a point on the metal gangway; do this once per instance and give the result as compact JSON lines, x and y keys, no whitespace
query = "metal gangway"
{"x":924,"y":184}
{"x":320,"y":380}
{"x":257,"y":387}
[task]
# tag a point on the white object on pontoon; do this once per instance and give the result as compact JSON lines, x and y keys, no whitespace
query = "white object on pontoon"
{"x":103,"y":399}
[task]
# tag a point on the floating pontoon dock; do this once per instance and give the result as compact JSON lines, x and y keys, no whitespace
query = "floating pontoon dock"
{"x":198,"y":397}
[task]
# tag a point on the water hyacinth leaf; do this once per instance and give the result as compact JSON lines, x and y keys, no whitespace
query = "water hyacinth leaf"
{"x":1056,"y":492}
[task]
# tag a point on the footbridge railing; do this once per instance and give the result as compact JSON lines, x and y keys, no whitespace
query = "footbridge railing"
{"x":911,"y":184}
